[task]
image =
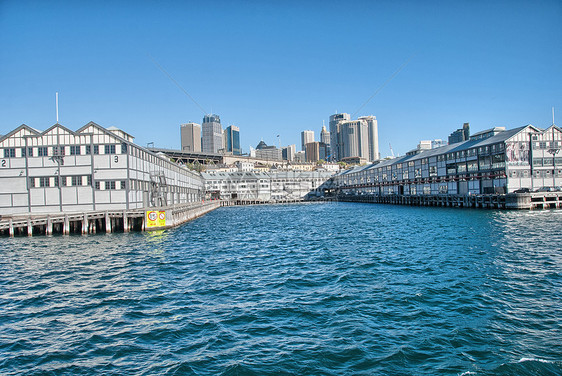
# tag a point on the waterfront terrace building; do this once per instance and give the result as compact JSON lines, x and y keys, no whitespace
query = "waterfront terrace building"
{"x":264,"y":186}
{"x":494,"y":161}
{"x":94,"y":168}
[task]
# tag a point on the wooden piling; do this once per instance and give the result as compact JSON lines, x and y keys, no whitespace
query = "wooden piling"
{"x":107,"y":223}
{"x":125,"y":222}
{"x":49,"y":226}
{"x":85,"y":224}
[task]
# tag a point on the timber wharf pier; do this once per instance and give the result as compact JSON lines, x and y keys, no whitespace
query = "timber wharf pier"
{"x":528,"y":201}
{"x":91,"y":222}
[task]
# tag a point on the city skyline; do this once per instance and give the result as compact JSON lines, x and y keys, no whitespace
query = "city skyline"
{"x":275,"y":69}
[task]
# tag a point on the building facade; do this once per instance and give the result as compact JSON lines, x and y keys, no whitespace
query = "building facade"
{"x":315,"y":151}
{"x":94,"y":168}
{"x":335,"y":135}
{"x":306,"y":137}
{"x":502,"y":162}
{"x":264,"y":186}
{"x":372,"y":137}
{"x":460,"y":135}
{"x":212,"y":141}
{"x":232,"y":140}
{"x":288,"y":152}
{"x":355,"y":139}
{"x":190,"y":137}
{"x":325,"y":138}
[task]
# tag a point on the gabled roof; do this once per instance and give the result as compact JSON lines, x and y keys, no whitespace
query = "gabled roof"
{"x":23,"y":126}
{"x":60,"y":126}
{"x":106,"y":131}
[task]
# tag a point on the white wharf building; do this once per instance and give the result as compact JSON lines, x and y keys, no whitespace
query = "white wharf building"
{"x":264,"y":186}
{"x":492,"y":161}
{"x":94,"y":168}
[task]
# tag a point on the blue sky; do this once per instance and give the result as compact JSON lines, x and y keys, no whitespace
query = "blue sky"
{"x":277,"y":68}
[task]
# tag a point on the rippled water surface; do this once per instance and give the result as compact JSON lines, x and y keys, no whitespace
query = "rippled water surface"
{"x":313,"y":289}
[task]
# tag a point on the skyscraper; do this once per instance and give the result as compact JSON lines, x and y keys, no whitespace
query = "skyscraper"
{"x":289,"y":152}
{"x":335,"y":136}
{"x":232,"y":140}
{"x":354,"y":135}
{"x":325,"y":138}
{"x":315,"y":151}
{"x":212,"y":134}
{"x":190,"y":137}
{"x":324,"y":135}
{"x":373,"y":137}
{"x":306,"y":137}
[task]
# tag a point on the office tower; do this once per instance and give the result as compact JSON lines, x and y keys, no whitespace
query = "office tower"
{"x":190,"y":137}
{"x":373,"y":138}
{"x":300,"y":157}
{"x":355,"y":139}
{"x":325,"y":138}
{"x":335,"y":136}
{"x":289,"y":152}
{"x":324,"y":135}
{"x":306,"y":137}
{"x":460,"y":135}
{"x":315,"y":151}
{"x":232,"y":140}
{"x":212,"y":134}
{"x":263,"y":151}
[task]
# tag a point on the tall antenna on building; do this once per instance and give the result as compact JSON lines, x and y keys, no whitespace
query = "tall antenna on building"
{"x":57,"y":105}
{"x":552,"y":115}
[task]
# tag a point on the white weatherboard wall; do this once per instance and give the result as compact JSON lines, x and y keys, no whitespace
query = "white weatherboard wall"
{"x":94,"y":168}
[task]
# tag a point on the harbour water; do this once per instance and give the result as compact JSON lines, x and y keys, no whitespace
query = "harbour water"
{"x":304,"y":289}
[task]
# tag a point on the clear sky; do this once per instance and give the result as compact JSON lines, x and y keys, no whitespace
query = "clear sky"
{"x":280,"y":67}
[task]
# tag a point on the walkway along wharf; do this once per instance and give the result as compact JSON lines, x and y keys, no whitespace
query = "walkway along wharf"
{"x":91,"y":222}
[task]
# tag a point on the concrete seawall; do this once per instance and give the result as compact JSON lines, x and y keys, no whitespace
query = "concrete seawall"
{"x":145,"y":219}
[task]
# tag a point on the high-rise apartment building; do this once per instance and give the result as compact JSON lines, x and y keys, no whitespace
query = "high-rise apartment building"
{"x":306,"y":137}
{"x":232,"y":140}
{"x":335,"y":136}
{"x":212,"y":134}
{"x":373,"y":137}
{"x":190,"y":137}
